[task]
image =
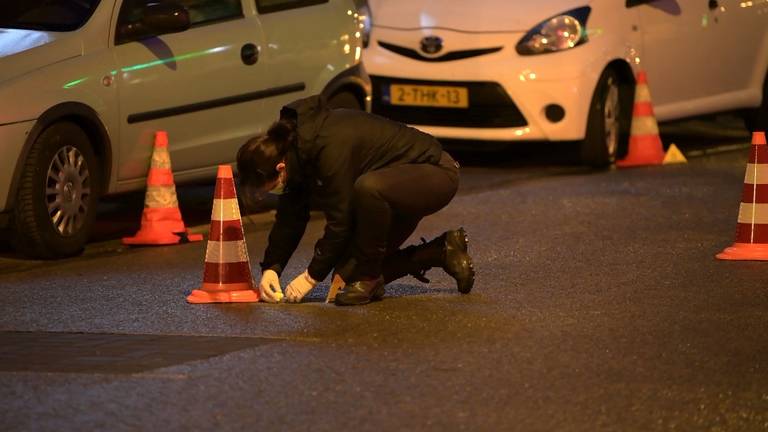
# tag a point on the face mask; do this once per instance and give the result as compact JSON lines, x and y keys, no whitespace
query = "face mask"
{"x":280,"y":187}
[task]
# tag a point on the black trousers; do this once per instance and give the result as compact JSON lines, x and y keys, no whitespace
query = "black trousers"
{"x":389,"y":203}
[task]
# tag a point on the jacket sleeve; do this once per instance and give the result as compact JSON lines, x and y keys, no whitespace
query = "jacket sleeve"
{"x":336,"y":184}
{"x":290,"y":223}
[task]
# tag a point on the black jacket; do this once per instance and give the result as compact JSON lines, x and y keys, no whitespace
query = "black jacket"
{"x":334,"y":148}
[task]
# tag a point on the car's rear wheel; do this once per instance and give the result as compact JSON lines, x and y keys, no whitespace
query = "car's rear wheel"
{"x":756,"y":120}
{"x":57,"y":194}
{"x":608,"y":121}
{"x":344,"y":99}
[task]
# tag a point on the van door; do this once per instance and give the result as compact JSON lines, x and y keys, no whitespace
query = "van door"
{"x":741,"y":46}
{"x":309,"y":41}
{"x":205,"y":86}
{"x":679,"y":47}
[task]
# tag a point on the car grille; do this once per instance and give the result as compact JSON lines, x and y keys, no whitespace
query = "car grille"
{"x":489,"y":106}
{"x":449,"y":56}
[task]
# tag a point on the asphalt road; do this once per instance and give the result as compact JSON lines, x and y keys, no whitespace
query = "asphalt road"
{"x":598,"y":306}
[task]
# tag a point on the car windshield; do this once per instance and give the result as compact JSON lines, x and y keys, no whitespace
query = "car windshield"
{"x":47,"y":15}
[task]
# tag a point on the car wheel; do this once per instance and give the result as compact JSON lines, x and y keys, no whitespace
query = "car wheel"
{"x":57,"y":194}
{"x":344,"y":99}
{"x":608,"y":122}
{"x":756,"y":120}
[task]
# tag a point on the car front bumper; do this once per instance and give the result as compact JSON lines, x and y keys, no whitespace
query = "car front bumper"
{"x":566,"y":79}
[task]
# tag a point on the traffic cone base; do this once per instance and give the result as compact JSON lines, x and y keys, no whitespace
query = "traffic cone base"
{"x":161,"y":226}
{"x":745,"y":252}
{"x":674,"y":156}
{"x":164,"y":240}
{"x":644,"y":150}
{"x":234,"y":296}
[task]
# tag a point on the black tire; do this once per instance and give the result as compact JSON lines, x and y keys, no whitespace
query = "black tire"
{"x":610,"y":114}
{"x":344,"y":99}
{"x":60,"y":173}
{"x":756,"y":120}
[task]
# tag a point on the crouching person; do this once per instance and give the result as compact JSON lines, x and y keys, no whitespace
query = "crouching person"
{"x":374,"y":179}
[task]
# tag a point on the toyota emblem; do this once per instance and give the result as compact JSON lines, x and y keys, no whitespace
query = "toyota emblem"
{"x":432,"y":44}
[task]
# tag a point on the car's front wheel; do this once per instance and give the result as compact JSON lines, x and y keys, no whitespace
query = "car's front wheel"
{"x":608,"y":121}
{"x":58,"y":189}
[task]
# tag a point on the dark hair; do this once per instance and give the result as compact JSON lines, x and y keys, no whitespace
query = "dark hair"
{"x":258,"y":157}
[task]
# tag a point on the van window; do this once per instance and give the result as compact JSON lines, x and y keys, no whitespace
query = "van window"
{"x":47,"y":15}
{"x":201,"y":12}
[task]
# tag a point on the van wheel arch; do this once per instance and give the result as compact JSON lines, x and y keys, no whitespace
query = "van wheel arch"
{"x":88,"y":120}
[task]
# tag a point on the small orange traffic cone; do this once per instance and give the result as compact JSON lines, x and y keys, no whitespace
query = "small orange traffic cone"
{"x":752,"y":225}
{"x":645,"y":146}
{"x":161,"y":222}
{"x":227,"y":277}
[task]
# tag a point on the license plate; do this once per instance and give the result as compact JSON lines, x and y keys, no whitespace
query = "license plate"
{"x":432,"y":96}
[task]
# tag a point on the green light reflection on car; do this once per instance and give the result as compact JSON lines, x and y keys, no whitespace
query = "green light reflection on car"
{"x":73,"y":83}
{"x":174,"y":59}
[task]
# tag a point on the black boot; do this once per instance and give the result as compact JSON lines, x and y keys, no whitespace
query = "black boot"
{"x":361,"y":292}
{"x":449,"y":252}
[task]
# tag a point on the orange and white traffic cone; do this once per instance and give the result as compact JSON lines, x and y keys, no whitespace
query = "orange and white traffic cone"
{"x":752,"y":225}
{"x":227,"y":276}
{"x":161,"y":222}
{"x":645,"y":146}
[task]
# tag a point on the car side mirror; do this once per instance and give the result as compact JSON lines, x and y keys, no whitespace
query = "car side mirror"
{"x":166,"y":17}
{"x":154,"y":20}
{"x":633,"y":3}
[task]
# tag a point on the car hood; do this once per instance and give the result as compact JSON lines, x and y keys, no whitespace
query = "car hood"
{"x":23,"y":51}
{"x":464,"y":15}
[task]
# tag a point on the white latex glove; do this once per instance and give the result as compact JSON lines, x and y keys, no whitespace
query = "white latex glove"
{"x":269,"y":287}
{"x":299,"y":287}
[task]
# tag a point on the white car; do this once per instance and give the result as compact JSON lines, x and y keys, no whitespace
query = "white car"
{"x":563,"y":70}
{"x":84,"y":85}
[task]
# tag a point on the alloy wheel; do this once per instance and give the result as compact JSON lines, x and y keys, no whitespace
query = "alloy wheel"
{"x":611,"y":114}
{"x":67,"y":190}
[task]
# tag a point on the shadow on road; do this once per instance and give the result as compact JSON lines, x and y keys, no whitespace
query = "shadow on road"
{"x":512,"y":155}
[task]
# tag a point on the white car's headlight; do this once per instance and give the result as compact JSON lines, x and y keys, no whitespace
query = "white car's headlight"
{"x":558,"y":33}
{"x":365,"y":22}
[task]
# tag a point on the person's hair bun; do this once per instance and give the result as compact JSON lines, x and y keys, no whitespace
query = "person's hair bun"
{"x":282,"y":132}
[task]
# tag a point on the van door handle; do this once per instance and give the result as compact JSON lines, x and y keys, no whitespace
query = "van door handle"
{"x":249,"y":53}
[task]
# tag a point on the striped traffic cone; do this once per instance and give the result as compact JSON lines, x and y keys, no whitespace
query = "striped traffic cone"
{"x":752,"y":225}
{"x":161,"y":222}
{"x":227,"y":276}
{"x":645,"y":146}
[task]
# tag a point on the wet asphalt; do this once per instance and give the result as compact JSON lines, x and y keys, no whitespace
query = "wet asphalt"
{"x":598,"y":305}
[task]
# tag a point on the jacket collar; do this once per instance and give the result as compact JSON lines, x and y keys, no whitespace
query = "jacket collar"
{"x":309,"y":114}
